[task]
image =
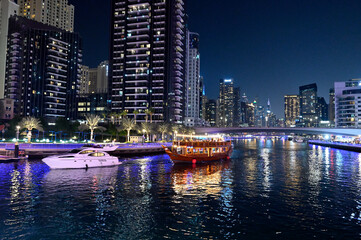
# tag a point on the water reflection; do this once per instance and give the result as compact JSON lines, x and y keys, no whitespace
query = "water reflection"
{"x":285,"y":189}
{"x":202,"y":179}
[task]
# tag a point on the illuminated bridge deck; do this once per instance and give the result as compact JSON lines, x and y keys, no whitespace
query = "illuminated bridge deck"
{"x":312,"y":131}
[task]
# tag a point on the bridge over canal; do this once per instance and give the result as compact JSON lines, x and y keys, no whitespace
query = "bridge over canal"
{"x":312,"y":131}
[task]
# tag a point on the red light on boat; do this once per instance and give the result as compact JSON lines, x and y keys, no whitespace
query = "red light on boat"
{"x":194,"y":160}
{"x":228,"y":157}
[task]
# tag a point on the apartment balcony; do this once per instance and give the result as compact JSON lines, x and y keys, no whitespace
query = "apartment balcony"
{"x":56,"y":92}
{"x":137,"y":24}
{"x":54,"y":86}
{"x":57,"y":52}
{"x":58,"y":63}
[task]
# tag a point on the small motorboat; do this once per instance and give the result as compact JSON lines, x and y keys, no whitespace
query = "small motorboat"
{"x":105,"y":148}
{"x":82,"y":158}
{"x":299,"y":140}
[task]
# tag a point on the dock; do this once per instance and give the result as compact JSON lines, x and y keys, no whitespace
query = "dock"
{"x":38,"y":150}
{"x":343,"y":146}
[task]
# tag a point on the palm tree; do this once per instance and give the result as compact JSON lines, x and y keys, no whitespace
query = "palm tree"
{"x":146,"y":114}
{"x":31,"y":123}
{"x":127,"y":124}
{"x":123,"y":114}
{"x":175,"y":129}
{"x":163,"y":128}
{"x":135,"y":112}
{"x":113,"y":116}
{"x":147,"y":129}
{"x":92,"y":122}
{"x":118,"y":117}
{"x":151,"y":112}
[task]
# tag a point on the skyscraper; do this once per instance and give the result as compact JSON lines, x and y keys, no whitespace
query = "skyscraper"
{"x":211,"y":112}
{"x":54,"y":13}
{"x":148,"y":55}
{"x":331,"y":106}
{"x":7,"y":8}
{"x":308,"y":105}
{"x":237,"y":107}
{"x":203,"y":101}
{"x":292,"y":109}
{"x":43,"y":69}
{"x":322,"y":109}
{"x":226,"y":103}
{"x":98,"y":78}
{"x":259,"y":114}
{"x":347,"y":104}
{"x":247,"y":114}
{"x":193,"y":84}
{"x":84,"y":79}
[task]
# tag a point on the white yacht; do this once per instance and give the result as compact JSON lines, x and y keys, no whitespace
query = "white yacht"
{"x":82,"y":158}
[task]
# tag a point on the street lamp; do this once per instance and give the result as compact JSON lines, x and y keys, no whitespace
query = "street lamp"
{"x":143,"y":135}
{"x":17,"y":132}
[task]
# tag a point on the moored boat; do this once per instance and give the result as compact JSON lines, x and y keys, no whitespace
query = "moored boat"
{"x":81,"y":158}
{"x":199,"y":149}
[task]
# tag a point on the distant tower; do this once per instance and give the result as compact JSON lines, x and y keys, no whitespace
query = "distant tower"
{"x":292,"y":109}
{"x":308,"y":105}
{"x":226,"y":103}
{"x":268,"y":106}
{"x":244,"y":98}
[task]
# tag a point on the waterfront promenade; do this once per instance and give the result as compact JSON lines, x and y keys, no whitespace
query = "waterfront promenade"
{"x":45,"y":149}
{"x":338,"y":145}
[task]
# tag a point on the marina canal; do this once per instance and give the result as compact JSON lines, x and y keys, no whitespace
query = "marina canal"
{"x":268,"y":189}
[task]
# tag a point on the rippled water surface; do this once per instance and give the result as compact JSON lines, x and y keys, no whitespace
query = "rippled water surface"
{"x":269,"y":189}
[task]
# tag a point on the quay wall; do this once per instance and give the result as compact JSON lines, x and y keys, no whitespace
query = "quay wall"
{"x":41,"y":150}
{"x":343,"y":146}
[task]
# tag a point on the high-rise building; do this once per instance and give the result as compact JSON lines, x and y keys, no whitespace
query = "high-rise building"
{"x":247,"y":114}
{"x":203,"y":101}
{"x":270,"y":117}
{"x":259,"y":114}
{"x":148,"y":58}
{"x":211,"y":112}
{"x":308,"y":105}
{"x":331,"y":106}
{"x":84,"y":79}
{"x":322,"y":109}
{"x":98,"y":78}
{"x":43,"y":69}
{"x":193,"y":85}
{"x":237,"y":107}
{"x":93,"y":78}
{"x":50,"y":12}
{"x":226,"y":103}
{"x":244,"y":98}
{"x":348,"y":103}
{"x":103,"y":77}
{"x":292,"y":109}
{"x":7,"y":8}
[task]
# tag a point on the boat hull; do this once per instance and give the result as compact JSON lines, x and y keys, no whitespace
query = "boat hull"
{"x":196,"y":158}
{"x":56,"y":163}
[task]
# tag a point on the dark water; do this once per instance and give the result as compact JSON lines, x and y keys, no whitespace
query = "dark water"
{"x":268,"y":190}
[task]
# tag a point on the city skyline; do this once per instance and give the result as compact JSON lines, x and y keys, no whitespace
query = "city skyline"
{"x":281,"y":52}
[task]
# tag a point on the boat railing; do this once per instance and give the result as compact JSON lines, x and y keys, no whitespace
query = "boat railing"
{"x":202,"y":144}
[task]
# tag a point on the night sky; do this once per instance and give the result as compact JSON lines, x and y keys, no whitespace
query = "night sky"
{"x":270,"y":48}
